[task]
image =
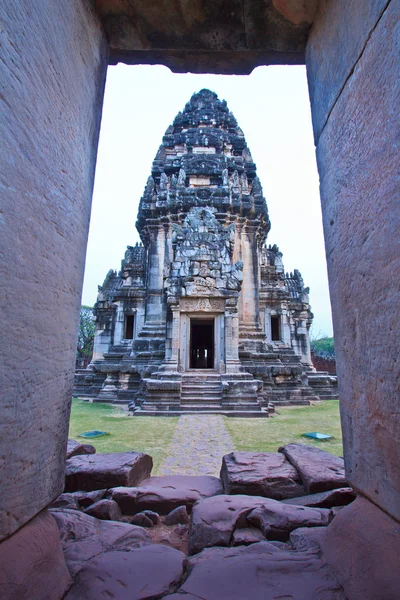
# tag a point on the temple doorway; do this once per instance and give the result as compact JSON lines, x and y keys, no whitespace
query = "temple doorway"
{"x":201,"y":343}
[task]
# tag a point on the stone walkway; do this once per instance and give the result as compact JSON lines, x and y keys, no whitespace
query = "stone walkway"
{"x":198,"y":445}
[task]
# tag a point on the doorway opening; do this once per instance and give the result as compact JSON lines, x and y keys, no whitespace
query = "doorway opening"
{"x":275,"y":328}
{"x":201,"y":343}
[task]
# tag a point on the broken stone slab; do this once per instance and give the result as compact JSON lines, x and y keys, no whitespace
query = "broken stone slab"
{"x":75,"y":448}
{"x":100,"y":471}
{"x":331,"y":498}
{"x":258,"y":572}
{"x":107,"y":510}
{"x":214,"y":520}
{"x":83,"y":537}
{"x":177,"y":516}
{"x":277,"y":521}
{"x":77,"y":500}
{"x":163,"y":494}
{"x":267,"y":474}
{"x":141,"y":574}
{"x":246,"y":536}
{"x":142,"y":520}
{"x":319,"y":470}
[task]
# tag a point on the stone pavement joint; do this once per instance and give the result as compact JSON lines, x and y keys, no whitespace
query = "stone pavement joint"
{"x":198,"y":445}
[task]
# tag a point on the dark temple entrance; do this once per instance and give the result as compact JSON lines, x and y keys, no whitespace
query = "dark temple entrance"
{"x":201,"y":343}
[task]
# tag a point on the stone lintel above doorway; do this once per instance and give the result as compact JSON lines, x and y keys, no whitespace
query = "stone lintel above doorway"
{"x":208,"y":305}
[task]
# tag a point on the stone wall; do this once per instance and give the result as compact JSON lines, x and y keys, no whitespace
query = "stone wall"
{"x":353,"y":63}
{"x":52,"y":70}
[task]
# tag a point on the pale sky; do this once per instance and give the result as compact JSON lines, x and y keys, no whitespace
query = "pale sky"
{"x":272,"y":108}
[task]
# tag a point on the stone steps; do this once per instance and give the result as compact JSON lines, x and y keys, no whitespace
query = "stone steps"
{"x":220,"y":411}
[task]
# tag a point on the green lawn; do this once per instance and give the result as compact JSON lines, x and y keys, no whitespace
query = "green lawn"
{"x":154,"y":434}
{"x":142,"y":434}
{"x":288,"y":425}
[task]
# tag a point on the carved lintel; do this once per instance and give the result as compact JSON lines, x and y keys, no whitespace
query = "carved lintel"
{"x":202,"y":304}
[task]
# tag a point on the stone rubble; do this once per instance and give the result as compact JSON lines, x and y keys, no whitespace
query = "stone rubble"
{"x":319,"y":470}
{"x":100,"y":471}
{"x":169,"y":536}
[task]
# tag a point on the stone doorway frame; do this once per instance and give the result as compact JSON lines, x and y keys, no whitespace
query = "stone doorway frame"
{"x":55,"y":120}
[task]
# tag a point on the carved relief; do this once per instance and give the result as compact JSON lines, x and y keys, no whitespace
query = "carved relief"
{"x":202,"y":305}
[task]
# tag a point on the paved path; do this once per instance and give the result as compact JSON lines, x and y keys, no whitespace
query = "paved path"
{"x":198,"y":445}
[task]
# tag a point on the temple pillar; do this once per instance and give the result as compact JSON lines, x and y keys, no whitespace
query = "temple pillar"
{"x":52,"y":68}
{"x":154,"y":305}
{"x":353,"y":62}
{"x":232,"y":336}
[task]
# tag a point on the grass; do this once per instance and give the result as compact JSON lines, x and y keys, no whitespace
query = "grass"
{"x":288,"y":425}
{"x":141,"y":434}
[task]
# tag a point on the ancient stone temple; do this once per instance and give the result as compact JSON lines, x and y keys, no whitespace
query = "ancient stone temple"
{"x":201,"y":315}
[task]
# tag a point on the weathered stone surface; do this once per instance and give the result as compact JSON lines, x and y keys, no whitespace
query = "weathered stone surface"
{"x":215,"y":519}
{"x":75,"y":448}
{"x":202,"y":38}
{"x":258,"y":572}
{"x":50,"y":119}
{"x":163,"y":494}
{"x":84,"y":537}
{"x":65,"y":501}
{"x":362,"y":547}
{"x":277,"y":521}
{"x":338,"y":497}
{"x":246,"y":536}
{"x":141,"y":574}
{"x":100,"y":471}
{"x":336,"y":42}
{"x":319,"y":470}
{"x":105,"y":509}
{"x":266,"y":474}
{"x":142,"y":520}
{"x":177,"y":516}
{"x":32,"y":564}
{"x":359,"y":177}
{"x":85,"y":499}
{"x":77,"y":500}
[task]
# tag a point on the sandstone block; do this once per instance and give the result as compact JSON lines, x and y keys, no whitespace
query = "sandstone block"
{"x":107,"y":510}
{"x":339,"y":497}
{"x":246,"y":536}
{"x":258,"y":572}
{"x":32,"y":563}
{"x":215,"y":519}
{"x":75,"y":448}
{"x":100,"y":471}
{"x":277,"y":521}
{"x":164,"y":494}
{"x":142,"y":520}
{"x":177,"y":516}
{"x":84,"y":537}
{"x":267,"y":474}
{"x":319,"y":470}
{"x":141,"y":574}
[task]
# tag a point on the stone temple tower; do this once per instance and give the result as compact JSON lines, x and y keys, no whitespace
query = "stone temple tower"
{"x":201,"y":315}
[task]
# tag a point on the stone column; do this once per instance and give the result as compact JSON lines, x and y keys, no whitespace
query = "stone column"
{"x":52,"y":68}
{"x":285,"y":326}
{"x":175,"y":337}
{"x":232,"y":336}
{"x":353,"y":77}
{"x":154,"y":308}
{"x":119,"y":324}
